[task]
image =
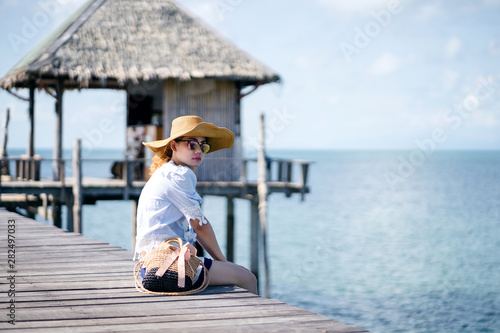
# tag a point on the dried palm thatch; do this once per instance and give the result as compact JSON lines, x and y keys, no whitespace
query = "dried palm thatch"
{"x":112,"y":42}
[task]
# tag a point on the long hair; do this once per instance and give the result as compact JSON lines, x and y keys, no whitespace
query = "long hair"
{"x":160,"y":158}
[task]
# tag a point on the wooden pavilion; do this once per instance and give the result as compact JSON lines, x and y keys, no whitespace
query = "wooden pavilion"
{"x":169,"y":63}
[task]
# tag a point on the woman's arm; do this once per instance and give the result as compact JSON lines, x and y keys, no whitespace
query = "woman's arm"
{"x":206,"y":238}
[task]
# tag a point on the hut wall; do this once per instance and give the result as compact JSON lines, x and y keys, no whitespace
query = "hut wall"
{"x":215,"y":101}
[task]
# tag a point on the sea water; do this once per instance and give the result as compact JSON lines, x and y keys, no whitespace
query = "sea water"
{"x":391,"y":241}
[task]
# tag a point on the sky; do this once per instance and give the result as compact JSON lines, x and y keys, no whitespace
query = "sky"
{"x":398,"y":74}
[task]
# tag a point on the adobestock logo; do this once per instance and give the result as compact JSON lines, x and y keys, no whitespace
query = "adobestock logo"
{"x":372,"y":29}
{"x":276,"y":122}
{"x":95,"y":137}
{"x":452,"y":118}
{"x":223,"y":7}
{"x":30,"y":26}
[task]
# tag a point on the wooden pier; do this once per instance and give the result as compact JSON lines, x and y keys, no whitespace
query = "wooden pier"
{"x":63,"y":281}
{"x":80,"y":190}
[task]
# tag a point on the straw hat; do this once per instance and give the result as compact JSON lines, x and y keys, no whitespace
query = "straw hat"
{"x":217,"y":137}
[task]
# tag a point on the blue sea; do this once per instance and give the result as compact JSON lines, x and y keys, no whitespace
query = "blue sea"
{"x":391,"y":241}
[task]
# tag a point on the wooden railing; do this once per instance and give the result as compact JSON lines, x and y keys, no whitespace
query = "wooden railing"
{"x":279,"y":171}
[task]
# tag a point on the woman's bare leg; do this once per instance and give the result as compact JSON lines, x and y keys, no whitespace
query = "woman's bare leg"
{"x":226,"y":272}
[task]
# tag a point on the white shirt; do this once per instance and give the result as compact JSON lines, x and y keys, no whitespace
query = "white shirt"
{"x":167,"y":203}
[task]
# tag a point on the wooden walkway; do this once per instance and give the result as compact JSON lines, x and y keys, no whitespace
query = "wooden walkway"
{"x":66,"y":282}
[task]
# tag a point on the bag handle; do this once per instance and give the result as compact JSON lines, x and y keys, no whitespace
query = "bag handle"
{"x":170,"y":240}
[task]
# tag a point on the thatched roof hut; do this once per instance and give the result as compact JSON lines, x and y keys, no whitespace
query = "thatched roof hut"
{"x":178,"y":64}
{"x":112,"y":42}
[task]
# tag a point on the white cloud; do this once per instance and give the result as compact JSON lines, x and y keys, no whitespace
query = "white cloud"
{"x":61,"y":10}
{"x":16,"y":113}
{"x":211,"y":11}
{"x":492,"y":3}
{"x":421,"y":119}
{"x":450,"y":79}
{"x":333,"y":99}
{"x":10,"y":3}
{"x":453,"y":47}
{"x":429,"y":11}
{"x":309,"y":62}
{"x":387,"y":63}
{"x":353,"y":6}
{"x":494,"y":46}
{"x":484,"y":119}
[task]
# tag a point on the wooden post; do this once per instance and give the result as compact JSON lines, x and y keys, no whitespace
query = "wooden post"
{"x":56,"y":212}
{"x":243,"y":176}
{"x":30,"y":213}
{"x":254,"y":237}
{"x":288,"y":164}
{"x":57,"y":155}
{"x":262,"y":194}
{"x":280,"y":171}
{"x":45,"y":202}
{"x":70,"y":204}
{"x":5,"y":167}
{"x":303,"y":179}
{"x":129,"y":176}
{"x":77,"y":187}
{"x":62,"y":195}
{"x":31,"y":125}
{"x":230,"y":229}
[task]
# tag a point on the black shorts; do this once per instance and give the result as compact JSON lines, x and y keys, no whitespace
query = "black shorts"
{"x":208,"y":263}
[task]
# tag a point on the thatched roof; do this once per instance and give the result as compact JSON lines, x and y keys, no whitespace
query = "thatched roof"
{"x":113,"y":42}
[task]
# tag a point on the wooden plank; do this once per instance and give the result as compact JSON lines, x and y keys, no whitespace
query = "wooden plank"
{"x":209,"y":293}
{"x":63,"y":281}
{"x":39,"y":298}
{"x":116,"y":305}
{"x":145,"y":309}
{"x":227,"y":320}
{"x":253,"y":322}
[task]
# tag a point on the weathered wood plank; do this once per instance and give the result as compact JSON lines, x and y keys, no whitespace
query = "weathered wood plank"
{"x":260,"y":322}
{"x":39,"y":299}
{"x":228,"y":320}
{"x":134,"y":308}
{"x":209,"y":293}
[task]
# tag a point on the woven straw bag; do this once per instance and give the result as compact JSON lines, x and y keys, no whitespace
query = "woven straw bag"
{"x":170,"y":270}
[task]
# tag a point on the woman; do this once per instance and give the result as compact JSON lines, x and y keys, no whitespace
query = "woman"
{"x":169,"y":205}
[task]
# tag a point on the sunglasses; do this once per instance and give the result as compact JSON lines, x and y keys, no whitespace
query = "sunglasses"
{"x":193,"y":145}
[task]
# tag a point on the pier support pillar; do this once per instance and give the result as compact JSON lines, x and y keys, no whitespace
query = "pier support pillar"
{"x":77,"y":187}
{"x":57,"y":155}
{"x":230,"y":230}
{"x":254,"y":236}
{"x":31,"y":124}
{"x":262,"y":192}
{"x":56,"y":212}
{"x":69,"y":213}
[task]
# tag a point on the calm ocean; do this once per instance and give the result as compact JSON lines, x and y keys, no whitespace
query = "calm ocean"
{"x":387,"y":240}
